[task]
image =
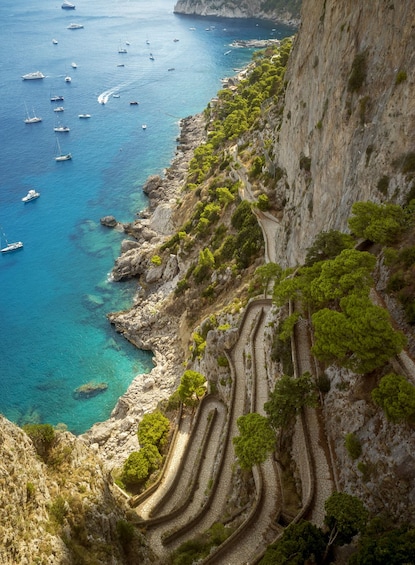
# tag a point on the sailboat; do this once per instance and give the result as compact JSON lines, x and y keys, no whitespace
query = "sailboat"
{"x":62,"y":156}
{"x":31,"y":119}
{"x":10,"y":246}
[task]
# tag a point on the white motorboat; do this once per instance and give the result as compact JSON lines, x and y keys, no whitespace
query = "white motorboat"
{"x":61,"y":129}
{"x":56,"y":98}
{"x":144,"y":126}
{"x":68,"y":79}
{"x":10,"y":246}
{"x":75,"y":26}
{"x":84,"y":116}
{"x":62,"y":156}
{"x":31,"y":195}
{"x":74,"y":65}
{"x":33,"y":76}
{"x":54,"y":41}
{"x":59,"y":109}
{"x":67,"y":5}
{"x":122,"y":50}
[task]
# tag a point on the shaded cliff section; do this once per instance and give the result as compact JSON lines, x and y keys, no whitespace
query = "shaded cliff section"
{"x":283,"y":11}
{"x":348,"y":117}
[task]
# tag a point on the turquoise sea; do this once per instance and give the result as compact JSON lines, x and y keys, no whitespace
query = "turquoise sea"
{"x":56,"y":291}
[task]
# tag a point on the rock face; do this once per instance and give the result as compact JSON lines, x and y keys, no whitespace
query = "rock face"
{"x":287,"y":12}
{"x":338,"y":138}
{"x":54,"y":510}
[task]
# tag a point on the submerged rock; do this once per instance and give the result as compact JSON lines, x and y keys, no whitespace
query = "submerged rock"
{"x":89,"y":390}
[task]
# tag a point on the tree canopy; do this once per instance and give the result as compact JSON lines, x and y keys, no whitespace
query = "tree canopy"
{"x":345,"y":516}
{"x":327,"y":245}
{"x":299,"y":543}
{"x":140,"y":464}
{"x":396,"y":396}
{"x":153,"y":429}
{"x":192,"y":387}
{"x":256,"y":440}
{"x":288,"y":398}
{"x":380,"y":223}
{"x":360,"y":337}
{"x":381,"y":545}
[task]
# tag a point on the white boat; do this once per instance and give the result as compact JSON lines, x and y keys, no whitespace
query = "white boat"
{"x":62,"y":156}
{"x":31,"y":195}
{"x":151,"y":57}
{"x":59,"y":109}
{"x":74,"y":65}
{"x":75,"y":26}
{"x":61,"y":129}
{"x":122,"y":50}
{"x":115,"y":95}
{"x":54,"y":41}
{"x":67,"y":5}
{"x":32,"y":119}
{"x":33,"y":76}
{"x":144,"y":126}
{"x":56,"y":98}
{"x":84,"y":116}
{"x":68,"y":79}
{"x":10,"y":246}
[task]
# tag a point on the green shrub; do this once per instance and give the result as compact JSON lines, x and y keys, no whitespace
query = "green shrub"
{"x":125,"y":532}
{"x":358,"y":73}
{"x":42,"y":436}
{"x":223,"y":361}
{"x":153,"y":429}
{"x":58,"y":510}
{"x":401,"y":77}
{"x":353,"y":446}
{"x":396,"y":396}
{"x":156,"y":260}
{"x":383,"y":184}
{"x":323,"y":383}
{"x":263,"y":202}
{"x":30,"y":490}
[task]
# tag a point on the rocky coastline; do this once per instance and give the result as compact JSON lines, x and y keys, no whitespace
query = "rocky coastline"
{"x":147,"y":324}
{"x":243,"y":9}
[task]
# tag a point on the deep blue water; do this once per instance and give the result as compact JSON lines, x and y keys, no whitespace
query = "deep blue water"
{"x":55,"y":293}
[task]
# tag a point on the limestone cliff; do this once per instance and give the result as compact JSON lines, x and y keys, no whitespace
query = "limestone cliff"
{"x":349,"y":116}
{"x":286,"y":11}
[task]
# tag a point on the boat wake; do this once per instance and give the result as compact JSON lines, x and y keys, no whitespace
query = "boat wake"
{"x":107,"y":94}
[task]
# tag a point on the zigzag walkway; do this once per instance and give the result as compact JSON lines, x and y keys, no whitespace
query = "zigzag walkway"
{"x":261,"y":525}
{"x":182,"y":508}
{"x":321,"y":476}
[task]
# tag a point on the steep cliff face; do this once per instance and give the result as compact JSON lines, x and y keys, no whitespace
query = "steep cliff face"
{"x":286,"y":11}
{"x":349,"y":116}
{"x":62,"y":508}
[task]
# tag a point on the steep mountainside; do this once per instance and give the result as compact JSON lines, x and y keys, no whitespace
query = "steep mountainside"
{"x":287,"y":11}
{"x":348,"y":119}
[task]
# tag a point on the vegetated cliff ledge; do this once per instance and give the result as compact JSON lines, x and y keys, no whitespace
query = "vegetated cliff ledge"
{"x":282,"y":11}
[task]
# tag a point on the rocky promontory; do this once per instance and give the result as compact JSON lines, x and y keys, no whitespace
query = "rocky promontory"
{"x":287,"y":12}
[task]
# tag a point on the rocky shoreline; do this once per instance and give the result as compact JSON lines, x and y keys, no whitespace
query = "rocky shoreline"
{"x":146,"y":324}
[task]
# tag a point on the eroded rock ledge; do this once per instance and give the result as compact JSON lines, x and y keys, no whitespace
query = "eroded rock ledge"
{"x":147,"y":324}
